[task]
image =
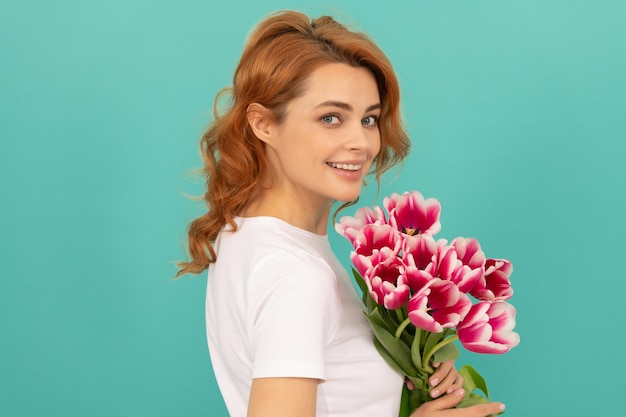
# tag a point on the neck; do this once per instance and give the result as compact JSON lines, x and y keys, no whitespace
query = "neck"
{"x":307,"y":215}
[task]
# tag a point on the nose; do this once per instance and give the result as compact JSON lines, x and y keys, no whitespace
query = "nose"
{"x":362,"y":138}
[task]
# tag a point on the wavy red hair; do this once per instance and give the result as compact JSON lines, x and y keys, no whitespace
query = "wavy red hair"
{"x":278,"y":57}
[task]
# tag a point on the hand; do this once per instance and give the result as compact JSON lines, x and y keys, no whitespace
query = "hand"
{"x":446,"y":379}
{"x":442,"y":407}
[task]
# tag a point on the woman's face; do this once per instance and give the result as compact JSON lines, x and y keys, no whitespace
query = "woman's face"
{"x":326,"y":142}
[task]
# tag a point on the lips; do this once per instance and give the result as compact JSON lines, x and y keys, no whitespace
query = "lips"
{"x":346,"y":167}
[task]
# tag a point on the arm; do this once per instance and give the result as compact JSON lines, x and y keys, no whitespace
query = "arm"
{"x":292,"y":299}
{"x":296,"y":397}
{"x":283,"y":397}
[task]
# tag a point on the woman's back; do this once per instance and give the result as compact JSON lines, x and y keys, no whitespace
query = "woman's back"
{"x":279,"y":304}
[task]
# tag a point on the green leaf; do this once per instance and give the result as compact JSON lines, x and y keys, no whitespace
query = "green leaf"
{"x":446,"y":353}
{"x":419,"y":396}
{"x":375,"y":317}
{"x":472,"y":380}
{"x":395,"y":347}
{"x":407,"y":337}
{"x":389,"y":317}
{"x":416,"y":354}
{"x":431,"y":340}
{"x":420,"y":382}
{"x":471,"y":399}
{"x":405,"y":407}
{"x":411,"y":400}
{"x":359,"y":280}
{"x":365,"y":295}
{"x":387,"y":357}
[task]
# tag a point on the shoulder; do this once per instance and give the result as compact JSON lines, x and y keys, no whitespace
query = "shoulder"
{"x":289,"y":268}
{"x":267,"y":253}
{"x":262,"y":241}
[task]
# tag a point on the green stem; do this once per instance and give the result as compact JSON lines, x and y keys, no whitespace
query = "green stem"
{"x":400,"y":316}
{"x":435,"y":348}
{"x":401,"y":327}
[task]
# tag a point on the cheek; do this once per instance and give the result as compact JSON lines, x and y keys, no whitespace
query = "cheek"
{"x":376,"y":144}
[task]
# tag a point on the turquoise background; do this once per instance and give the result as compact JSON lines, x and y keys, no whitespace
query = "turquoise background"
{"x":517,"y":112}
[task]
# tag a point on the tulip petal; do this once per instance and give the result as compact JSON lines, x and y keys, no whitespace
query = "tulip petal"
{"x":488,"y":328}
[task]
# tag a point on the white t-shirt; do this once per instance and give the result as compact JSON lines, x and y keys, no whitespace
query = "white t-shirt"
{"x":279,"y":304}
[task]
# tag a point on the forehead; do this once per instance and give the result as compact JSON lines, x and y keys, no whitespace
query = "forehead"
{"x":338,"y":82}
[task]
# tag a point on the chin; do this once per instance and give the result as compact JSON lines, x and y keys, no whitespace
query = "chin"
{"x":347,"y":197}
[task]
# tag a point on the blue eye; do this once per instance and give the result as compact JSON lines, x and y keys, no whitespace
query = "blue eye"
{"x":330,"y":119}
{"x":370,"y":121}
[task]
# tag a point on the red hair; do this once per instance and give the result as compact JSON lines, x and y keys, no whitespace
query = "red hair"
{"x":279,"y":56}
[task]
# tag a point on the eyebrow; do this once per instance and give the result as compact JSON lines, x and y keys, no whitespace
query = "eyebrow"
{"x":346,"y":106}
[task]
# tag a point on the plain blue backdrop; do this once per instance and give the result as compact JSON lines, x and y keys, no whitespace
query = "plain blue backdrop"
{"x":516,"y":110}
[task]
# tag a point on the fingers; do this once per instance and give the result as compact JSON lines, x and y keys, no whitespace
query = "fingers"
{"x":442,"y":407}
{"x":442,"y":370}
{"x":409,"y":384}
{"x":436,"y":407}
{"x":446,"y":379}
{"x":449,"y":384}
{"x":478,"y":410}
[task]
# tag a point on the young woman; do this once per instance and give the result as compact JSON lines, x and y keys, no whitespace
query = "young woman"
{"x":314,"y":108}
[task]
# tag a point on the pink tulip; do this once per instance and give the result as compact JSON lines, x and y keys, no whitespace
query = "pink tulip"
{"x":420,"y":249}
{"x":364,"y":263}
{"x":410,"y":214}
{"x":444,"y":262}
{"x":361,"y":263}
{"x":488,"y":328}
{"x":496,"y":284}
{"x":373,"y":236}
{"x":438,"y":305}
{"x":349,"y":226}
{"x":373,"y":244}
{"x":473,"y":259}
{"x":417,"y":278}
{"x":469,"y":252}
{"x":387,"y":283}
{"x":447,"y":265}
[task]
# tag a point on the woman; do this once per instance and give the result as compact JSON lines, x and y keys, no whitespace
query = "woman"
{"x":314,"y":108}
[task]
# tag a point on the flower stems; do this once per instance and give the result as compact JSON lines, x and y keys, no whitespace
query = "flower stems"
{"x":435,"y":348}
{"x":400,"y":317}
{"x":402,"y":326}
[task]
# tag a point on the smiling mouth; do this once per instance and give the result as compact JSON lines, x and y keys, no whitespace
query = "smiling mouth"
{"x":346,"y":167}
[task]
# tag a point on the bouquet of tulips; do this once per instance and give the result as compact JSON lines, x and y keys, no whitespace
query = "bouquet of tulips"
{"x":421,"y":294}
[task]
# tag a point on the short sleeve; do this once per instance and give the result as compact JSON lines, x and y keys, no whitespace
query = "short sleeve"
{"x":293,"y":305}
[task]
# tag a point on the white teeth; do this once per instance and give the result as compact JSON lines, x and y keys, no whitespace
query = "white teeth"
{"x":347,"y":167}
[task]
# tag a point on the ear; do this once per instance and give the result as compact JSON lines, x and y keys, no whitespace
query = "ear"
{"x":260,"y":120}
